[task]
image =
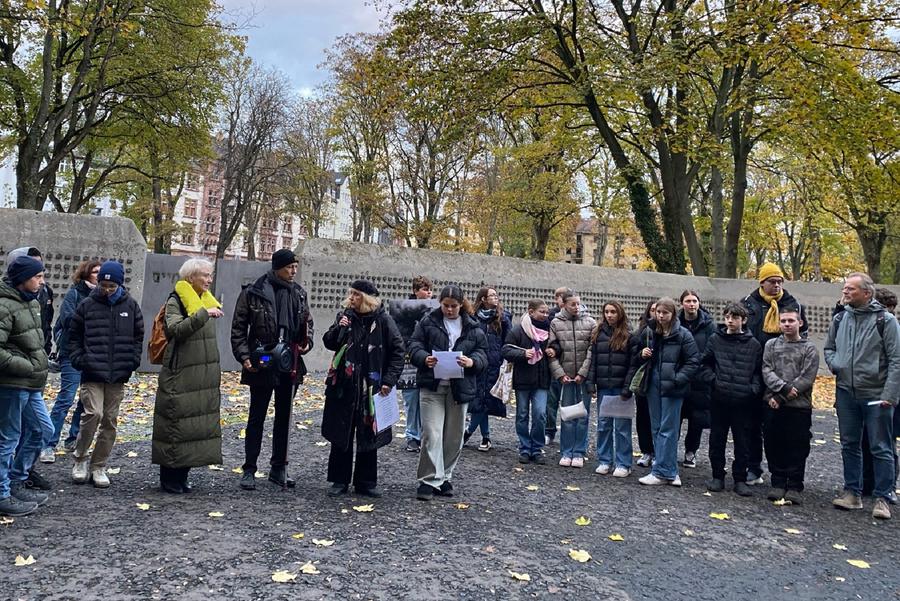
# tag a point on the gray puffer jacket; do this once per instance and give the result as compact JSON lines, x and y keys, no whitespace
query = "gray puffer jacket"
{"x":864,"y":362}
{"x":570,"y":338}
{"x":790,"y":364}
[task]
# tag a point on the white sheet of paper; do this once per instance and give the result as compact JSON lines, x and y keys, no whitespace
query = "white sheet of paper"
{"x":387,"y":410}
{"x":447,"y":368}
{"x":614,"y":406}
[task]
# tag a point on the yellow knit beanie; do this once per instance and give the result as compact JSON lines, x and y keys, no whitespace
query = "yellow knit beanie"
{"x":769,"y":270}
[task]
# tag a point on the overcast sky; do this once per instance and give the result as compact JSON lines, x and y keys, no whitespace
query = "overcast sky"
{"x":291,"y":35}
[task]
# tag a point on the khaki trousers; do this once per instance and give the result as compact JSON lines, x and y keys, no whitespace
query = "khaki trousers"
{"x":443,"y":423}
{"x":101,"y":409}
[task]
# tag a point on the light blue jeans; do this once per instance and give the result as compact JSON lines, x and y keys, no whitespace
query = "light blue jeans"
{"x":37,"y":429}
{"x":573,"y":437}
{"x":531,"y":439}
{"x":70,"y":379}
{"x":852,"y":414}
{"x":665,"y":420}
{"x":413,"y":418}
{"x":613,"y":432}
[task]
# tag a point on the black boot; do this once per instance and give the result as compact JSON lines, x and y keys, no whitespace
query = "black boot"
{"x":279,"y":475}
{"x":167,"y":482}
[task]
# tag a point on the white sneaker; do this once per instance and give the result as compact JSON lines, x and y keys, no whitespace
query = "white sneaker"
{"x":80,"y":472}
{"x":48,"y":455}
{"x":602,"y":469}
{"x":98,"y":475}
{"x":566,"y":462}
{"x":754,"y":479}
{"x":651,"y":480}
{"x":645,"y":460}
{"x":621,"y":472}
{"x":577,"y":461}
{"x":676,"y":481}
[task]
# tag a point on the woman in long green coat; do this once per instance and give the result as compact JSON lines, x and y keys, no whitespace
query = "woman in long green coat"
{"x":186,"y":428}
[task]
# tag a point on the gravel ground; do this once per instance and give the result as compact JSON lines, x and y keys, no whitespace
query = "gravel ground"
{"x":89,"y":543}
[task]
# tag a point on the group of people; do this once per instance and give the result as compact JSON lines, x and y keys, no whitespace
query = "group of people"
{"x":751,"y":376}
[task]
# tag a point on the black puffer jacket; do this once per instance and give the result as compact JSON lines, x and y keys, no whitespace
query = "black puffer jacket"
{"x":105,"y":340}
{"x":702,"y":329}
{"x":430,"y":334}
{"x":45,"y":298}
{"x":525,"y":375}
{"x":758,"y":308}
{"x":675,"y":359}
{"x":485,"y":401}
{"x":73,"y":298}
{"x":613,"y":369}
{"x":734,"y":362}
{"x":255,"y":324}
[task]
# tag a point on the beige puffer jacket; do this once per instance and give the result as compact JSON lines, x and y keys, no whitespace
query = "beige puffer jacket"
{"x":572,"y":335}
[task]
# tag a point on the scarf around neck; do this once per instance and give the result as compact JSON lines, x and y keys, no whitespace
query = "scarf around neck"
{"x":770,"y":321}
{"x":285,"y":307}
{"x":537,"y":335}
{"x":192,"y":301}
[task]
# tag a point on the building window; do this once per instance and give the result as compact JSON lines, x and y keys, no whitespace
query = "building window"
{"x":212,"y":200}
{"x":286,"y":242}
{"x":287,"y":226}
{"x":193,"y":181}
{"x":190,"y":208}
{"x":187,"y":237}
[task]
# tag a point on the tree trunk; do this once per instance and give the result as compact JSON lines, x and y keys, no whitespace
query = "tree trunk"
{"x":717,"y":206}
{"x":602,"y":241}
{"x":872,"y":242}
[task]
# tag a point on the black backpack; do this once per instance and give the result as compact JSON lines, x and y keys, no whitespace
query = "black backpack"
{"x":879,"y":322}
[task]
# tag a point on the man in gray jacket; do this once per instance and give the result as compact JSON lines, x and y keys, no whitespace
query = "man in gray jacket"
{"x":865,"y":358}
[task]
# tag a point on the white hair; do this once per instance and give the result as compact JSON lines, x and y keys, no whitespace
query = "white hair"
{"x":192,"y":267}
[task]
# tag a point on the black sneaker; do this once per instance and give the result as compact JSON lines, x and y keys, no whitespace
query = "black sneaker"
{"x":466,"y":436}
{"x":742,"y":489}
{"x":539,"y":459}
{"x":248,"y":481}
{"x":278,"y":475}
{"x":425,"y":492}
{"x":36,"y":480}
{"x":14,"y":508}
{"x":715,"y":485}
{"x":373,"y":492}
{"x":485,"y":445}
{"x":337,"y":489}
{"x":794,"y":496}
{"x":776,"y":494}
{"x":23,"y":493}
{"x":446,"y":490}
{"x":412,"y":445}
{"x":690,"y":460}
{"x":524,"y":458}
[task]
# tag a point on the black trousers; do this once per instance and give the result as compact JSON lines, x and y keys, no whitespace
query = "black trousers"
{"x":173,"y":475}
{"x":340,"y":466}
{"x":281,"y":429}
{"x":724,"y":418}
{"x":644,"y":431}
{"x":787,"y":445}
{"x":755,"y":421}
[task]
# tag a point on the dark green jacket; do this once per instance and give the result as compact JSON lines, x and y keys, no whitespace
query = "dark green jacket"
{"x":186,"y":429}
{"x":23,"y":360}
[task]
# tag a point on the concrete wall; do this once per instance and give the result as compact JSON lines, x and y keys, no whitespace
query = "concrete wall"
{"x":67,"y":240}
{"x":328,"y":267}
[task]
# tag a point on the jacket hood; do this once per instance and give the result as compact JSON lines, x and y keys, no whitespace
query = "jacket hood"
{"x":97,"y":294}
{"x":742,"y":337}
{"x":703,"y":318}
{"x":564,"y":315}
{"x":873,"y":307}
{"x":8,"y":291}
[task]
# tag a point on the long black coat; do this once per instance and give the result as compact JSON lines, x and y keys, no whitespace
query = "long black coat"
{"x":345,"y":399}
{"x":430,"y":334}
{"x":105,"y":341}
{"x":255,"y":324}
{"x":484,"y":400}
{"x":696,"y":403}
{"x":525,"y":375}
{"x":675,"y":359}
{"x":733,"y":362}
{"x":613,"y":369}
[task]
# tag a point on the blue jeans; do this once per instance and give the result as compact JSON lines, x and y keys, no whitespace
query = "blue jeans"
{"x":609,"y":428}
{"x":477,"y":420}
{"x":853,"y":413}
{"x":573,"y":436}
{"x":36,"y":432}
{"x":69,"y":380}
{"x":531,"y":439}
{"x":11,"y":405}
{"x":413,"y":419}
{"x":665,"y":420}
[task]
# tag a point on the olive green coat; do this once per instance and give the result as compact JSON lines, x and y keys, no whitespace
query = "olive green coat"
{"x":186,"y":429}
{"x":23,"y":360}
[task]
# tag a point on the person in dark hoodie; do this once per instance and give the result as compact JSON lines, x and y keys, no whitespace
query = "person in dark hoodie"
{"x":731,"y":363}
{"x":790,"y":366}
{"x":369,"y":356}
{"x":526,"y":349}
{"x":763,"y":306}
{"x":695,"y":410}
{"x":270,"y":312}
{"x":23,"y":374}
{"x":443,"y":402}
{"x":106,"y":336}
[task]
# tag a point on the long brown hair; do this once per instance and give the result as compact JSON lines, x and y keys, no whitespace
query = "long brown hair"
{"x":669,"y":304}
{"x":647,"y":316}
{"x":496,"y":323}
{"x":621,"y":332}
{"x":83,"y":272}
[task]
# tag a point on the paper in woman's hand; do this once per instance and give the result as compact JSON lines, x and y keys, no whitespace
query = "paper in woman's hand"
{"x":446,"y":367}
{"x":615,"y":406}
{"x":387,"y":409}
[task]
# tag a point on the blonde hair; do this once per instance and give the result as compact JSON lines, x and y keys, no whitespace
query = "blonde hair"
{"x":192,"y":267}
{"x":369,"y":303}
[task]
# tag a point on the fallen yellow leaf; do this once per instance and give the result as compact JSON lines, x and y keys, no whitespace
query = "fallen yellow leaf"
{"x":24,"y":561}
{"x":571,"y":488}
{"x":616,"y":537}
{"x":237,"y":470}
{"x":532,"y":487}
{"x":859,"y":563}
{"x":321,"y":443}
{"x":840,"y":547}
{"x":298,"y":535}
{"x":582,"y":521}
{"x":261,"y":475}
{"x":321,"y":542}
{"x":781,"y":502}
{"x":840,"y":578}
{"x":131,"y":454}
{"x":142,"y":386}
{"x":283,"y":576}
{"x":216,"y":514}
{"x":707,"y":494}
{"x":792,"y":531}
{"x":720,"y":516}
{"x":309,"y":568}
{"x":518,"y":469}
{"x":820,"y":441}
{"x":113,"y":470}
{"x":243,"y":434}
{"x":689,"y":532}
{"x":520,"y":576}
{"x":142,"y":506}
{"x":5,"y":521}
{"x":216,"y":468}
{"x":462,"y":506}
{"x":364,"y":508}
{"x":580,"y":555}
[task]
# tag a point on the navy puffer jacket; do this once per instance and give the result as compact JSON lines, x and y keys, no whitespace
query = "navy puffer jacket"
{"x":675,"y":359}
{"x":484,"y":400}
{"x":702,"y":329}
{"x":735,"y":367}
{"x":105,"y":340}
{"x":613,"y":369}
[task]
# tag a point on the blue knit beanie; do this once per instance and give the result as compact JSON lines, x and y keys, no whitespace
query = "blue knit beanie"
{"x":22,"y":269}
{"x":112,"y":271}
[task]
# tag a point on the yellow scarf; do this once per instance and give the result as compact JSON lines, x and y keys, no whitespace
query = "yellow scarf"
{"x":770,"y":322}
{"x":192,"y":301}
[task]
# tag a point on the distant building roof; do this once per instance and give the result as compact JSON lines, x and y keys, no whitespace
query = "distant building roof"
{"x":586,"y":226}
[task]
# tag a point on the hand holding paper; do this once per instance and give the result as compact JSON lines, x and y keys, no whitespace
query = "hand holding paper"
{"x":447,"y":366}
